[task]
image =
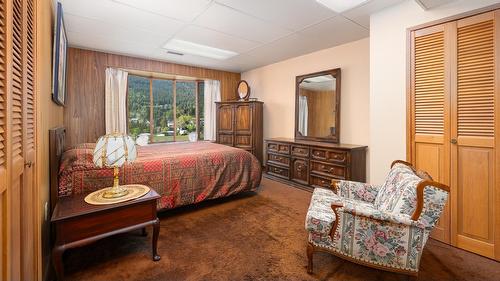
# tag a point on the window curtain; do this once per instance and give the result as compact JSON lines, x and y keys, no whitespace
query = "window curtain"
{"x":303,"y":113}
{"x":211,"y":95}
{"x":116,"y":101}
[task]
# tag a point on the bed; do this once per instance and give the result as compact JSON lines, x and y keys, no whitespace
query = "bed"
{"x":182,"y":173}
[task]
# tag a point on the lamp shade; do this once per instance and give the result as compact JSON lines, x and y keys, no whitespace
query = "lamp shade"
{"x":114,"y":150}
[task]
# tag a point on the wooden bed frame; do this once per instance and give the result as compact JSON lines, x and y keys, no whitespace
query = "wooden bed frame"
{"x":57,"y":139}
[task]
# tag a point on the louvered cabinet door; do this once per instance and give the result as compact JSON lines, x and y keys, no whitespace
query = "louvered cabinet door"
{"x":429,"y":109}
{"x":474,"y":122}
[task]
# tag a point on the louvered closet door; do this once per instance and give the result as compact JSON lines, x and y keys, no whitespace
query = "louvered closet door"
{"x":474,"y":124}
{"x":28,"y":193}
{"x":4,"y":229}
{"x":19,"y":44}
{"x":429,"y":106}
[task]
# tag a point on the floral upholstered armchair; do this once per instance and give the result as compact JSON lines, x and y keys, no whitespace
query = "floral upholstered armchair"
{"x":384,"y":227}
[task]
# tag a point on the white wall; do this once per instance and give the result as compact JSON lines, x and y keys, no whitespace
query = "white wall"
{"x":388,"y":76}
{"x":275,"y":85}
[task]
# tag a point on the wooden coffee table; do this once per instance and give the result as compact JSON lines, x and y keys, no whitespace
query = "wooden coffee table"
{"x":78,"y":223}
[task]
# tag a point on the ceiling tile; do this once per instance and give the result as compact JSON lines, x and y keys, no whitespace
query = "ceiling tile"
{"x":296,"y":14}
{"x":185,"y":10}
{"x":327,"y":34}
{"x":112,"y":32}
{"x":204,"y":36}
{"x":284,"y":48}
{"x":122,"y":15}
{"x":106,"y":44}
{"x":161,"y":54}
{"x":333,"y":32}
{"x":232,"y":22}
{"x":430,"y":4}
{"x":361,"y":14}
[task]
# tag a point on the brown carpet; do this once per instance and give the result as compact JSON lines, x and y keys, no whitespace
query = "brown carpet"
{"x":256,"y":236}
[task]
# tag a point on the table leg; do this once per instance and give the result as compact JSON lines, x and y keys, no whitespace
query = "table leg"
{"x":156,"y":232}
{"x":57,"y":254}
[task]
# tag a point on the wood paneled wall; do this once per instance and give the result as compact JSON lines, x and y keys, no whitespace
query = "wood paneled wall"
{"x":49,"y":115}
{"x":84,"y":109}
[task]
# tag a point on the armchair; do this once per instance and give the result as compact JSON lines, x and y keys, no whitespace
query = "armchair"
{"x":384,"y":227}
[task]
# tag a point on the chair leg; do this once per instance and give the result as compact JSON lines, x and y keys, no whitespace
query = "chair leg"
{"x":310,"y":251}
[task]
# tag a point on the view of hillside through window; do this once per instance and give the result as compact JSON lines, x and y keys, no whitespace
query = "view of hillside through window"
{"x":174,"y":113}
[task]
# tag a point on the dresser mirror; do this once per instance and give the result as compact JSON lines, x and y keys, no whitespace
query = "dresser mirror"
{"x":317,"y":106}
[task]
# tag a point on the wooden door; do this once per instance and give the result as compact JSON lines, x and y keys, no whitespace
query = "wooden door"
{"x":5,"y":248}
{"x":29,"y":200}
{"x":225,"y":117}
{"x":17,"y":133}
{"x":473,"y":126}
{"x":429,"y":109}
{"x":243,"y":126}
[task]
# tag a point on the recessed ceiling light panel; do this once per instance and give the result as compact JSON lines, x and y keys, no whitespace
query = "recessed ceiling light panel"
{"x":186,"y":47}
{"x":340,"y":6}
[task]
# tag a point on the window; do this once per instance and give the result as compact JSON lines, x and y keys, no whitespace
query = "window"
{"x":165,"y":110}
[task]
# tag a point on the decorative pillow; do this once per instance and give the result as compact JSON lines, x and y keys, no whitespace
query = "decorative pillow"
{"x":398,"y":173}
{"x":403,"y":199}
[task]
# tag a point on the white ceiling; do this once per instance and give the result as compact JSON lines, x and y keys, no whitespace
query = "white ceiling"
{"x":260,"y":31}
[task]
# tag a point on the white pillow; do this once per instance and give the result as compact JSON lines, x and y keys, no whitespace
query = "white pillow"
{"x":142,"y":140}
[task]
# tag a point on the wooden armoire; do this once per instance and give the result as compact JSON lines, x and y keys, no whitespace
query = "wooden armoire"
{"x":454,"y":124}
{"x":239,"y":124}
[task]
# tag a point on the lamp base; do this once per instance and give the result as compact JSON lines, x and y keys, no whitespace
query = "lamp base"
{"x":115,"y":192}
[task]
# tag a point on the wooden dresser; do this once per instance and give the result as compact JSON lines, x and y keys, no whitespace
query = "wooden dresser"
{"x":239,"y":124}
{"x":314,"y":164}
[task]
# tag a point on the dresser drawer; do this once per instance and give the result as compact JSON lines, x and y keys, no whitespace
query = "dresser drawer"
{"x":319,"y":181}
{"x":334,"y":156}
{"x":301,"y":151}
{"x":278,"y":171}
{"x":281,"y":148}
{"x":278,"y":159}
{"x":329,"y":169}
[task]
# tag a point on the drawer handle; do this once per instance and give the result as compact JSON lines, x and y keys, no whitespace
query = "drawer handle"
{"x":316,"y":153}
{"x":326,"y":170}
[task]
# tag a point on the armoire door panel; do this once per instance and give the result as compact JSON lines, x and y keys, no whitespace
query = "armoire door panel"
{"x":243,"y":141}
{"x":226,"y":118}
{"x":226,"y":139}
{"x":243,"y":118}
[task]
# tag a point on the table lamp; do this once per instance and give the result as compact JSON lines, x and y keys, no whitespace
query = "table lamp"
{"x":113,"y":151}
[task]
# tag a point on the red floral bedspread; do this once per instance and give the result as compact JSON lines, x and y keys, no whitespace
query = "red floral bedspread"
{"x":182,"y":173}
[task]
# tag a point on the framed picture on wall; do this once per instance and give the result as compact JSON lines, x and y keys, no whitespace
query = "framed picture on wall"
{"x":59,"y":59}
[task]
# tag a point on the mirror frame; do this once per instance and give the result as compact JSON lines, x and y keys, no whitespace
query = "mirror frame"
{"x":333,"y":138}
{"x":247,"y":96}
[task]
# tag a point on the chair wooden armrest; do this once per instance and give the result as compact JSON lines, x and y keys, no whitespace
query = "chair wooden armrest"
{"x":335,"y":225}
{"x":334,"y":186}
{"x":420,"y":195}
